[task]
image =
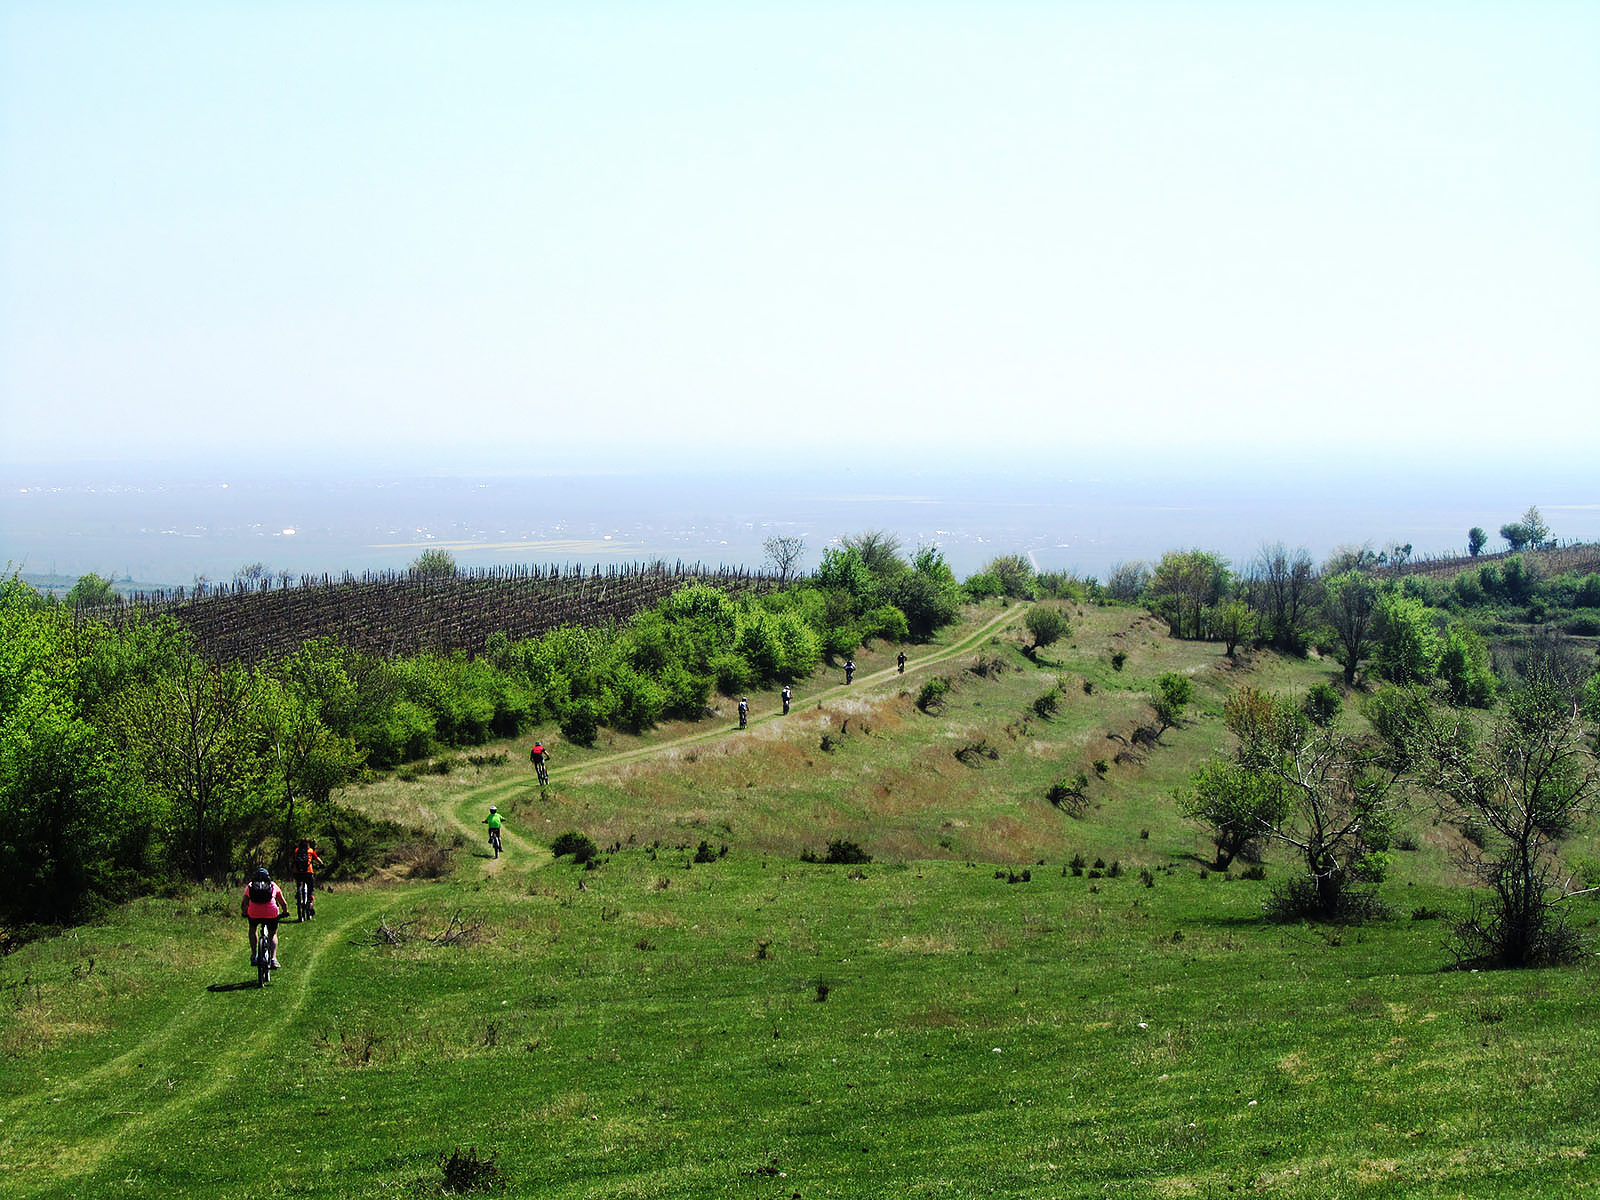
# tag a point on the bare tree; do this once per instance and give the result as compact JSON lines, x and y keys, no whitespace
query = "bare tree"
{"x":1516,"y":790}
{"x":1338,"y":799}
{"x":784,"y":552}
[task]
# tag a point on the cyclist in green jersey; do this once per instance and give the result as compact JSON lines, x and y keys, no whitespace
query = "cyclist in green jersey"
{"x":493,"y":822}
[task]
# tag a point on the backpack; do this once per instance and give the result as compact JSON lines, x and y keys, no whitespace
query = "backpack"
{"x":261,"y":891}
{"x":302,"y":856}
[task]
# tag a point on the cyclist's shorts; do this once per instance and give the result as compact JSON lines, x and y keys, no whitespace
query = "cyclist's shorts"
{"x":269,"y":925}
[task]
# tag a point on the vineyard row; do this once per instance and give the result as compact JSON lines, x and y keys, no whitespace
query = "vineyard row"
{"x":397,"y":613}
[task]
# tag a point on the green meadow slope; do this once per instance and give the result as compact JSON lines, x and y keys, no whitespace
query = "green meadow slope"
{"x":961,"y":1016}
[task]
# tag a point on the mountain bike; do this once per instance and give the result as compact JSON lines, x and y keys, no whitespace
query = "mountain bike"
{"x":543,"y":772}
{"x":494,"y":840}
{"x":304,"y":907}
{"x":261,"y":956}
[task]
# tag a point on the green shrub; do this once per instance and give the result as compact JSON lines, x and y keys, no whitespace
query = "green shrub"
{"x":840,"y":851}
{"x":1047,"y":704}
{"x":933,"y":693}
{"x":579,"y":845}
{"x":581,"y":723}
{"x":1069,"y":793}
{"x":467,"y":1172}
{"x":1322,"y":704}
{"x":732,"y":672}
{"x":1118,"y":658}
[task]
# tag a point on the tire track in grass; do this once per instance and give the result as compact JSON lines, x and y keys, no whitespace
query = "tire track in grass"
{"x":223,"y":1044}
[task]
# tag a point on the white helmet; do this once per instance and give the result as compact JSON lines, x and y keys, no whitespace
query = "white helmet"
{"x":492,"y":808}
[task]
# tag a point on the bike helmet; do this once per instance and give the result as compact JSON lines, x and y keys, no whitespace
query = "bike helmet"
{"x":492,"y":808}
{"x":263,"y":873}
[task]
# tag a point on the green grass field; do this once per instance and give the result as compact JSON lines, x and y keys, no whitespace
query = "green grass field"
{"x":757,"y":1026}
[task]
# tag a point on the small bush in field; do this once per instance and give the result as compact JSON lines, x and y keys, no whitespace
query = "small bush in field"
{"x":1068,"y":792}
{"x":580,"y":846}
{"x":973,"y":753}
{"x":932,"y":696}
{"x":467,"y":1172}
{"x":1118,"y":658}
{"x":1047,"y":704}
{"x":841,"y":850}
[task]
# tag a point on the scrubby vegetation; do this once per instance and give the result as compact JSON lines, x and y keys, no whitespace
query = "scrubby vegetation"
{"x":131,"y":758}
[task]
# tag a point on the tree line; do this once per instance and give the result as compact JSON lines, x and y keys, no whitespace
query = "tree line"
{"x":130,"y":758}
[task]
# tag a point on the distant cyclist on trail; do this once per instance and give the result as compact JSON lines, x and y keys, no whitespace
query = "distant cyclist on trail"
{"x":744,"y":711}
{"x":540,"y":758}
{"x":306,"y":860}
{"x":849,"y":669}
{"x":902,"y":661}
{"x":263,"y":904}
{"x":493,"y":822}
{"x":786,"y":697}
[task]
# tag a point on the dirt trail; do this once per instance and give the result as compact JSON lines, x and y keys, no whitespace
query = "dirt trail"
{"x":212,"y":1038}
{"x":838,"y":691}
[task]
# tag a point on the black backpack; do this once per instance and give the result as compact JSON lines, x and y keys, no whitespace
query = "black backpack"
{"x":261,"y":891}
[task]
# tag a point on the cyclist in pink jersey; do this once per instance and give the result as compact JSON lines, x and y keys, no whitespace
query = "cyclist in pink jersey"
{"x":263,"y":904}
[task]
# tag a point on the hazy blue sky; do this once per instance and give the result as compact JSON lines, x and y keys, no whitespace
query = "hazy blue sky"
{"x":1083,"y":228}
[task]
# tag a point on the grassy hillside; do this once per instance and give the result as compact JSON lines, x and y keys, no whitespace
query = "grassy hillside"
{"x":962,"y":1016}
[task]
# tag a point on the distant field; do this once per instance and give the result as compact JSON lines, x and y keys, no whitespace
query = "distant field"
{"x":960,"y":1017}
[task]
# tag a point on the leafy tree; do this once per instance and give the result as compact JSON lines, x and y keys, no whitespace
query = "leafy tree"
{"x":1464,"y":669}
{"x":1172,"y":695}
{"x":784,"y":553}
{"x":1184,"y":585}
{"x":434,"y":564}
{"x":1350,"y":605}
{"x":887,"y":623}
{"x":191,"y":737}
{"x":1516,"y":535}
{"x":928,"y":594}
{"x":1322,"y":704}
{"x":845,"y":570}
{"x":879,"y":551}
{"x":1339,"y":801}
{"x":1240,"y":806}
{"x":1231,"y":622}
{"x":1476,"y":540}
{"x":1533,"y":524}
{"x":1407,"y":647}
{"x":1127,"y":581}
{"x":299,"y":703}
{"x":1281,"y":587}
{"x":1013,"y":574}
{"x":1350,"y":557}
{"x":1046,"y":624}
{"x":75,"y":827}
{"x":90,"y":591}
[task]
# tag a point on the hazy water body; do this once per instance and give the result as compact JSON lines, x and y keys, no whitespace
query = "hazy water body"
{"x":165,"y":526}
